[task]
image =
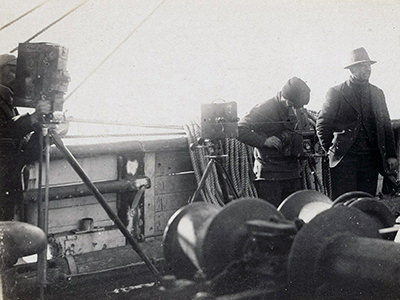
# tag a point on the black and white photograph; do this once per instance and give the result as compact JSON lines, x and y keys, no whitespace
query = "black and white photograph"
{"x":199,"y":150}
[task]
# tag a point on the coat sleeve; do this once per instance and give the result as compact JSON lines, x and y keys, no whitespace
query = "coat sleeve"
{"x":326,"y":118}
{"x":19,"y":126}
{"x":13,"y":125}
{"x":259,"y":124}
{"x":247,"y":133}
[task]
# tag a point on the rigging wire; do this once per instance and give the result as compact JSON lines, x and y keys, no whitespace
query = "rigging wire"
{"x":119,"y":123}
{"x":51,"y":24}
{"x":115,"y":50}
{"x":23,"y":15}
{"x":117,"y":135}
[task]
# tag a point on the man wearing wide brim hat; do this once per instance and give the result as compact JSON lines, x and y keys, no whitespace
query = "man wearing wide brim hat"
{"x":355,"y":130}
{"x":358,"y":56}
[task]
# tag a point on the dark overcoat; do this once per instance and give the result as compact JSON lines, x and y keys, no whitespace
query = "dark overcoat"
{"x":340,"y":121}
{"x":266,"y":119}
{"x":19,"y":145}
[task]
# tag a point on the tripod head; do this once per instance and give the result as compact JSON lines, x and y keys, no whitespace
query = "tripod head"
{"x":214,"y":147}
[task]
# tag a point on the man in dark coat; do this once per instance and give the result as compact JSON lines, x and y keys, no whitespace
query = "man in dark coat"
{"x":355,"y":130}
{"x":19,"y":139}
{"x":270,"y":128}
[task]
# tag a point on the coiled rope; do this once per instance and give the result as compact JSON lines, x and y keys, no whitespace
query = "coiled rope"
{"x":240,"y":167}
{"x":238,"y":164}
{"x":211,"y":193}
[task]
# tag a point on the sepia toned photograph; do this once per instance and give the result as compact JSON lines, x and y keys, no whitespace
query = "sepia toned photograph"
{"x":199,"y":150}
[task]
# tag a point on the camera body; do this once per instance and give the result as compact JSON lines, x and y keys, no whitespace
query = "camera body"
{"x":299,"y":143}
{"x":219,"y":120}
{"x":41,"y":75}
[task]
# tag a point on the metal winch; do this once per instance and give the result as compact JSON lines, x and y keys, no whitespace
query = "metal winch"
{"x":308,"y":248}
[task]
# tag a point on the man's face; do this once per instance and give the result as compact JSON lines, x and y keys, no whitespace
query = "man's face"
{"x":7,"y":75}
{"x":290,"y":103}
{"x":361,"y":71}
{"x":287,"y":102}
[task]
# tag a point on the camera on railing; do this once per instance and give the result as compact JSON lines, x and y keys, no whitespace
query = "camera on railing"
{"x":41,"y":75}
{"x":219,"y":120}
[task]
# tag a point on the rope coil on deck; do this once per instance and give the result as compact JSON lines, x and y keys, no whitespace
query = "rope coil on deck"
{"x":212,"y":191}
{"x":239,"y":165}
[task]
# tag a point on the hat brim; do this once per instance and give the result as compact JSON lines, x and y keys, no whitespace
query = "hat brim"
{"x":360,"y":62}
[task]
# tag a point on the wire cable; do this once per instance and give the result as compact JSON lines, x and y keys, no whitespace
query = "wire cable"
{"x":23,"y":15}
{"x":51,"y":24}
{"x":115,"y":49}
{"x":122,"y":123}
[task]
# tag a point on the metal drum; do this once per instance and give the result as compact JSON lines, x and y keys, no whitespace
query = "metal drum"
{"x":340,"y":254}
{"x":182,"y":234}
{"x":18,"y":239}
{"x":208,"y":238}
{"x":305,"y":205}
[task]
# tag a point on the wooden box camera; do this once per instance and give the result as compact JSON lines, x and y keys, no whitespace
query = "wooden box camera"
{"x":219,"y":120}
{"x":41,"y":75}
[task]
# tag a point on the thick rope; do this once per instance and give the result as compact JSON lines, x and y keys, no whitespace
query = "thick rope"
{"x":241,"y":173}
{"x":238,"y":164}
{"x":211,"y":192}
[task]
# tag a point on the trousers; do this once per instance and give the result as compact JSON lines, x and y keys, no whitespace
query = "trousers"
{"x":356,"y":172}
{"x":275,"y":191}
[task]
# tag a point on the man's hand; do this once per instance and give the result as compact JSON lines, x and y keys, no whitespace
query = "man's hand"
{"x":273,"y":142}
{"x":392,"y":164}
{"x":62,"y":129}
{"x":42,"y":108}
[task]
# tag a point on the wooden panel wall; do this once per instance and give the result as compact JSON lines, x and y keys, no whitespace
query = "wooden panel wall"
{"x":98,"y":168}
{"x":173,"y":183}
{"x":64,"y":214}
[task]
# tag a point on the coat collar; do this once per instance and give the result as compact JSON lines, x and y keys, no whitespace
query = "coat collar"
{"x":349,"y":96}
{"x":289,"y":120}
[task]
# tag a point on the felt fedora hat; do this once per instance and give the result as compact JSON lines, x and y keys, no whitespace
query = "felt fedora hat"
{"x":358,"y":56}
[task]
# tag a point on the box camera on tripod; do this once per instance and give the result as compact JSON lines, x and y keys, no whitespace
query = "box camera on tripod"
{"x":219,"y":120}
{"x":41,"y":75}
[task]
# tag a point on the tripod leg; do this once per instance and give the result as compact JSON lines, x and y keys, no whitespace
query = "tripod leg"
{"x":222,"y":182}
{"x":43,"y":208}
{"x":228,"y":180}
{"x":202,"y":181}
{"x":78,"y":169}
{"x":317,"y":181}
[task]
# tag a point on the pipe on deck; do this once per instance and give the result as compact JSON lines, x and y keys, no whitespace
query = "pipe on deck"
{"x":81,"y":190}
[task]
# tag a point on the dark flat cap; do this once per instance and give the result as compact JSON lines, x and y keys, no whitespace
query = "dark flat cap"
{"x":297,"y":91}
